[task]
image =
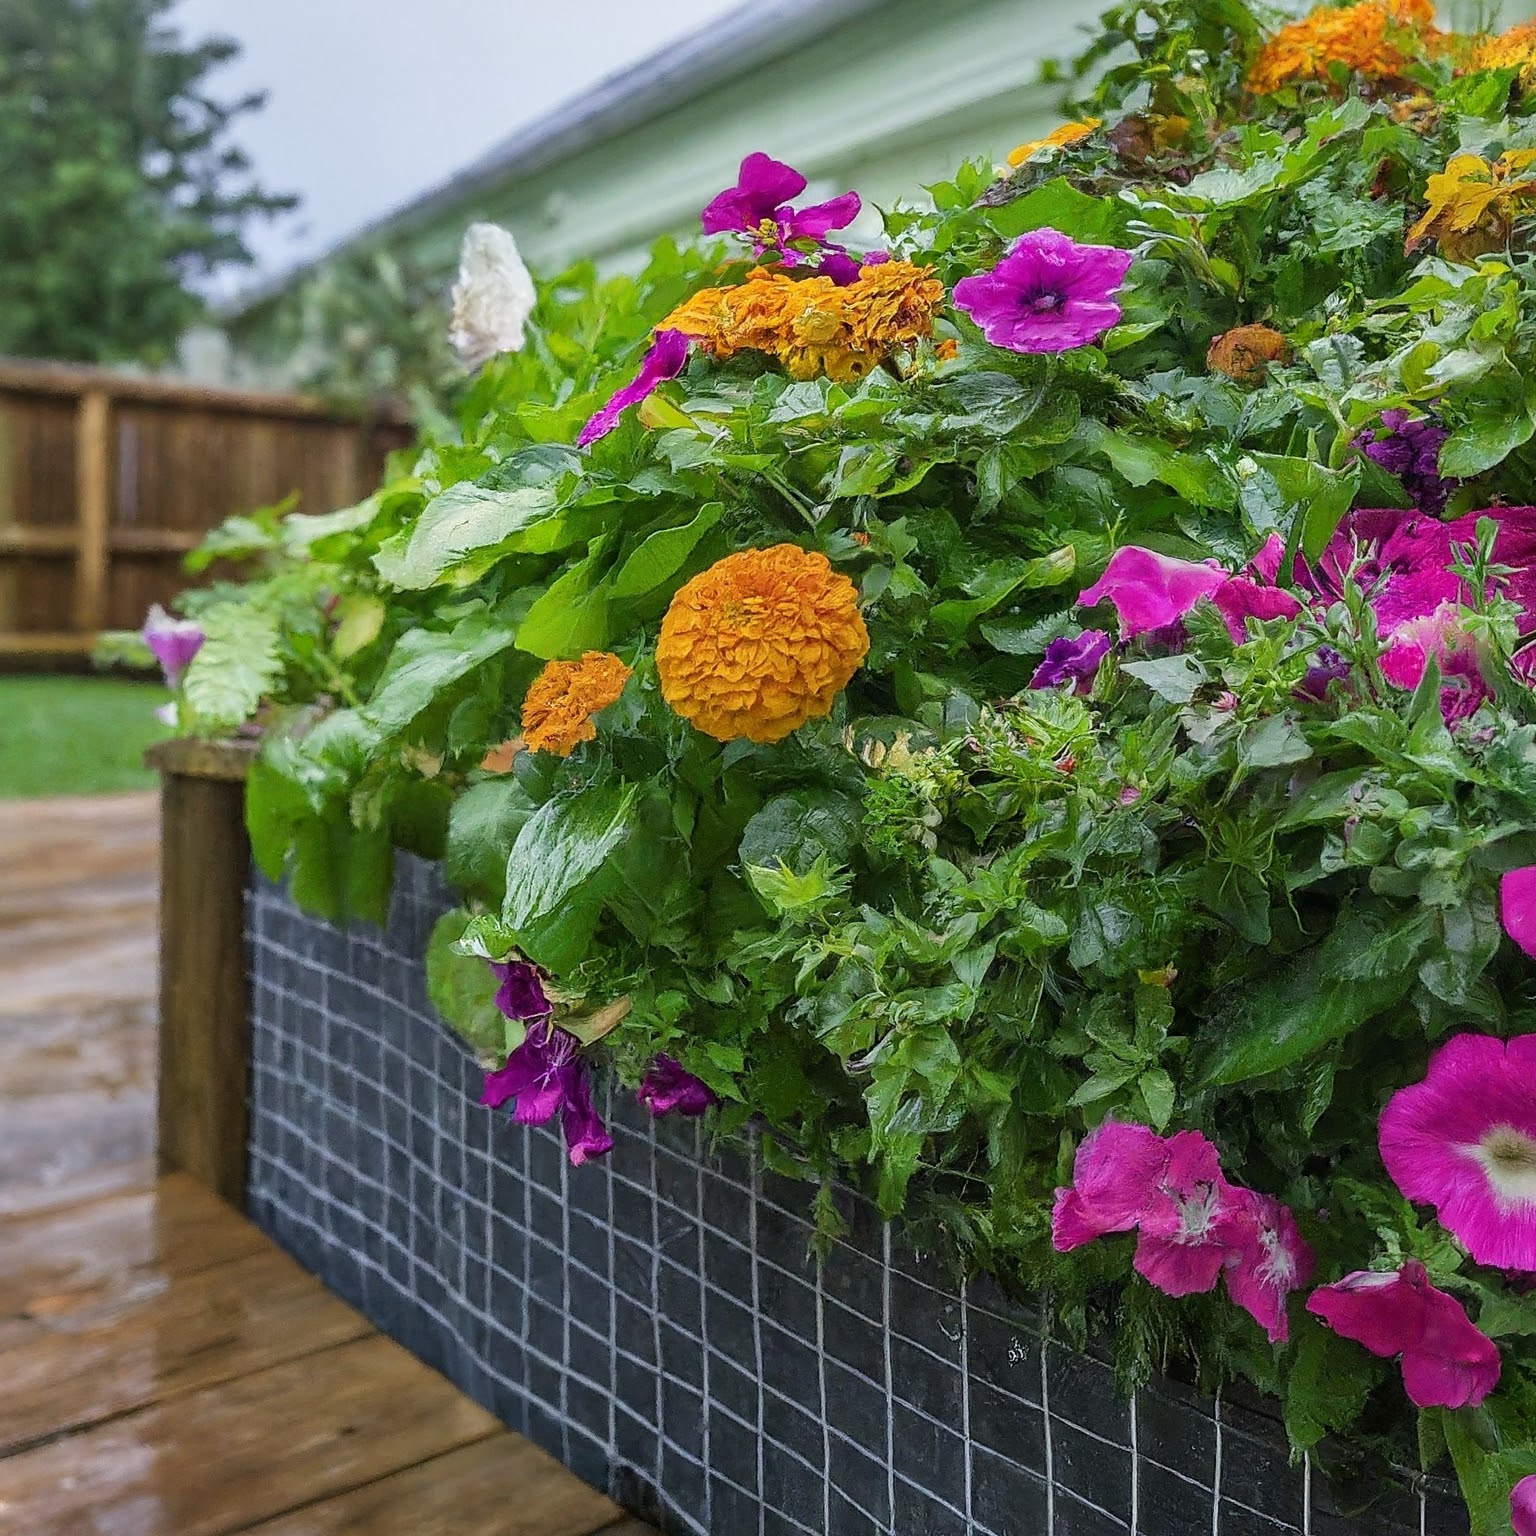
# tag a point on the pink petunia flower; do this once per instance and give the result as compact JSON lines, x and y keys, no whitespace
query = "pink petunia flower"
{"x":1267,"y":1259}
{"x":1522,"y":1507}
{"x":1517,"y":907}
{"x":174,"y":642}
{"x":1441,"y":634}
{"x":1464,"y":1141}
{"x":1151,"y":591}
{"x":758,"y":206}
{"x":1182,"y":1249}
{"x":1447,"y":1361}
{"x":1114,"y":1178}
{"x":665,"y":360}
{"x":1048,"y":294}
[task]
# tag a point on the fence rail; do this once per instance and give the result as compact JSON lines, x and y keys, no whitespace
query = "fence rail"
{"x":107,"y":480}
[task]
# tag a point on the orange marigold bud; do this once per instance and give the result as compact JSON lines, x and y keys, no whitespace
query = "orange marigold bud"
{"x":1245,"y":353}
{"x":560,"y":702}
{"x":761,"y":642}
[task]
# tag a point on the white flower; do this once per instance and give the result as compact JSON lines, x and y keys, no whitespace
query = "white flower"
{"x":493,"y":297}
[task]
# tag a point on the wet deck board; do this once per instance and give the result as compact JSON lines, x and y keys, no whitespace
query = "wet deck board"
{"x":167,"y":1370}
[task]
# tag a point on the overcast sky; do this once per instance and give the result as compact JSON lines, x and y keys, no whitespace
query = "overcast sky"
{"x":372,"y":101}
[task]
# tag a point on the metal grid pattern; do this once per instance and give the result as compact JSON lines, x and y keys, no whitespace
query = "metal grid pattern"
{"x":655,"y":1320}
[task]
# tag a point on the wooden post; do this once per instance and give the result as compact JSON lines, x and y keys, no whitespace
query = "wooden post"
{"x":205,"y":1026}
{"x":93,"y":499}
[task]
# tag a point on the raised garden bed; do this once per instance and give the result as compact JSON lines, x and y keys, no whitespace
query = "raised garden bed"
{"x":656,"y":1321}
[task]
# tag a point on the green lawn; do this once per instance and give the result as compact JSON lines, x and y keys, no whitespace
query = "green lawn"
{"x":75,"y":735}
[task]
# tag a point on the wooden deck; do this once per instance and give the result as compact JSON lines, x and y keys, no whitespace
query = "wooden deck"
{"x":164,"y":1369}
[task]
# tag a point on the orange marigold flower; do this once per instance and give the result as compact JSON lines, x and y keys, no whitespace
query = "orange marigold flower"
{"x":811,"y":325}
{"x":761,"y":642}
{"x":1512,"y":49}
{"x":1245,"y":353}
{"x":1473,"y":205}
{"x":560,"y":702}
{"x":1059,"y":138}
{"x":1376,"y":38}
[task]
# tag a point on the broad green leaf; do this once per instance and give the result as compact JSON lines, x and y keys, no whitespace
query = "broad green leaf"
{"x":469,"y":520}
{"x":562,"y":845}
{"x":424,"y":663}
{"x":1141,"y":460}
{"x":482,"y":828}
{"x":570,"y":616}
{"x":463,"y":987}
{"x":661,"y":554}
{"x":954,"y":616}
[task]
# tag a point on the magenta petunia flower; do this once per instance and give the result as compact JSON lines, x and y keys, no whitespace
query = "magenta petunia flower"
{"x":1522,"y":1507}
{"x":174,"y":642}
{"x":1114,"y":1178}
{"x":1464,"y":1141}
{"x":1517,"y":907}
{"x":1182,"y":1249}
{"x":545,"y":1076}
{"x":1267,"y":1259}
{"x":1441,"y":634}
{"x":1151,"y":591}
{"x":1447,"y":1361}
{"x":665,"y":359}
{"x":1073,"y":659}
{"x":759,"y":206}
{"x":521,"y":993}
{"x":668,"y":1088}
{"x":1048,"y":294}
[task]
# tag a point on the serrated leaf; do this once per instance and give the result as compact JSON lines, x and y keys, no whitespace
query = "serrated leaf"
{"x":239,"y":664}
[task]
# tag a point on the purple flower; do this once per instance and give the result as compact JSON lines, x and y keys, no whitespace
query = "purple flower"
{"x":521,"y":993}
{"x":1075,"y":659}
{"x":668,"y":353}
{"x":668,"y":1087}
{"x":1328,"y":666}
{"x":1048,"y":294}
{"x":758,"y":206}
{"x":1522,"y":1507}
{"x":174,"y":642}
{"x":1410,"y":450}
{"x":544,"y":1076}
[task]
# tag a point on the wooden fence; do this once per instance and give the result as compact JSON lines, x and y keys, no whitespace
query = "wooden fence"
{"x":107,"y":480}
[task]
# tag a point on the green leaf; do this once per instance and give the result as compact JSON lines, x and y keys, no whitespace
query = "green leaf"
{"x":954,"y":616}
{"x":1057,"y":204}
{"x":1141,"y":460}
{"x":570,"y":616}
{"x":469,"y":520}
{"x":239,"y":664}
{"x":796,"y":829}
{"x":1282,"y":490}
{"x":482,"y":828}
{"x":1327,"y":1385}
{"x":1485,"y":440}
{"x":661,"y":554}
{"x":425,"y":663}
{"x":463,"y":987}
{"x":562,"y":845}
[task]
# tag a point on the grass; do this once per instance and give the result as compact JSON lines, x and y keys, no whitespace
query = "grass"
{"x":75,"y":735}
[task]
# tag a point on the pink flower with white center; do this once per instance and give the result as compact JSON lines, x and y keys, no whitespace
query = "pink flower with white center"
{"x":1464,"y":1141}
{"x":1181,"y":1249}
{"x":1114,"y":1177}
{"x":1267,"y":1259}
{"x":1447,"y":1361}
{"x":1517,"y":907}
{"x":1522,"y":1507}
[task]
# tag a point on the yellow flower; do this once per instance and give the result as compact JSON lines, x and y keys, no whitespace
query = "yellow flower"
{"x":811,"y":325}
{"x":1068,"y":133}
{"x":1473,"y":205}
{"x":1513,"y":49}
{"x":560,"y":702}
{"x":761,"y":642}
{"x":1245,"y":353}
{"x":1376,"y":38}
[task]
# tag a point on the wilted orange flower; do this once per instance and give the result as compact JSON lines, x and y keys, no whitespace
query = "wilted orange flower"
{"x":501,"y":757}
{"x":1376,"y":38}
{"x":1473,"y":205}
{"x":947,"y":351}
{"x":560,"y":702}
{"x":1513,"y":49}
{"x":810,"y":324}
{"x":1245,"y":353}
{"x":1068,"y":133}
{"x":761,"y":642}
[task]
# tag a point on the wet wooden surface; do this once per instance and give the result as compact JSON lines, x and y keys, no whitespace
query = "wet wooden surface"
{"x":164,"y":1369}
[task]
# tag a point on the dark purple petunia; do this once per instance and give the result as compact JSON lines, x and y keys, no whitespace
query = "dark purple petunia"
{"x":759,"y":206}
{"x":1073,"y":659}
{"x":1409,"y":448}
{"x":521,"y":993}
{"x":174,"y":642}
{"x":545,"y":1076}
{"x":669,"y":1088}
{"x":668,"y":353}
{"x":1328,"y":666}
{"x":1048,"y":294}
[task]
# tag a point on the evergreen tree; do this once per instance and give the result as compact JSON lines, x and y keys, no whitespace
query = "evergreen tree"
{"x":120,"y":186}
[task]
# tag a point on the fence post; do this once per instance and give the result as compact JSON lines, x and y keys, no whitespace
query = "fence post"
{"x":205,"y":1025}
{"x":93,"y":497}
